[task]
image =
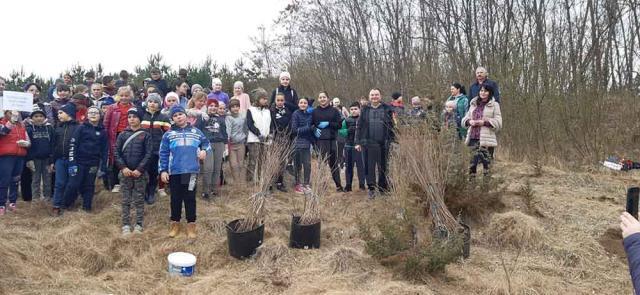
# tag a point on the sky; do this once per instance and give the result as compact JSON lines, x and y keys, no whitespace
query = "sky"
{"x":48,"y":37}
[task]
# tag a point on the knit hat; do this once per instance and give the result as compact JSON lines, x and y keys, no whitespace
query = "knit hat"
{"x":396,"y":95}
{"x":37,"y":110}
{"x":285,"y":74}
{"x":336,"y":101}
{"x":136,"y":112}
{"x":171,"y":94}
{"x":415,"y":99}
{"x":155,"y":98}
{"x":107,"y":101}
{"x":177,"y":109}
{"x":194,"y":87}
{"x":451,"y":104}
{"x":69,"y":109}
{"x":238,"y":84}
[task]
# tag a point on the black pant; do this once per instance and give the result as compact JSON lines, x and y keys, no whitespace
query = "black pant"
{"x":377,"y":155}
{"x":302,"y":160}
{"x":180,"y":193}
{"x":84,"y":182}
{"x":25,"y":184}
{"x":152,"y":171}
{"x":327,"y":147}
{"x":353,"y":157}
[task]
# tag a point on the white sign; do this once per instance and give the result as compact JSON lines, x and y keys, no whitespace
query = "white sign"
{"x":16,"y":101}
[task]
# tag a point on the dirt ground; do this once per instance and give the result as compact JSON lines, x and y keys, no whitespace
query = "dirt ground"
{"x":83,"y":253}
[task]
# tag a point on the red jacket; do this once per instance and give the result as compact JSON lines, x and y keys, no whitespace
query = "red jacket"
{"x":111,"y":120}
{"x":9,"y":139}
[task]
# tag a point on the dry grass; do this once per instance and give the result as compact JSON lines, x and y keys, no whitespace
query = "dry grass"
{"x":319,"y":187}
{"x":515,"y":229}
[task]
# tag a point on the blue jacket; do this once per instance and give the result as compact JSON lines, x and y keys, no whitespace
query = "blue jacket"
{"x":161,"y":84}
{"x":301,"y":128}
{"x":474,"y":90}
{"x":88,"y":146}
{"x":42,"y":141}
{"x":179,"y":150}
{"x":632,"y":248}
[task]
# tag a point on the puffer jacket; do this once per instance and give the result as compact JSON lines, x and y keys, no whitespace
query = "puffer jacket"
{"x":10,"y":137}
{"x":179,"y":150}
{"x":137,"y":153}
{"x":490,"y":114}
{"x":302,"y":130}
{"x":88,"y":145}
{"x":258,"y":123}
{"x":63,"y":134}
{"x":156,"y":124}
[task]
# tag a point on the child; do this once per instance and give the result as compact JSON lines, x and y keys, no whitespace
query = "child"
{"x":351,"y":155}
{"x":170,"y":100}
{"x":448,"y":116}
{"x":39,"y":156}
{"x":259,"y":125}
{"x":156,"y":124}
{"x":301,"y":128}
{"x":237,"y":132}
{"x":87,"y":153}
{"x":63,"y":92}
{"x":197,"y":109}
{"x":133,"y":150}
{"x":63,"y":133}
{"x":181,"y":149}
{"x":291,"y":96}
{"x":14,"y":143}
{"x":215,"y":130}
{"x":280,"y":120}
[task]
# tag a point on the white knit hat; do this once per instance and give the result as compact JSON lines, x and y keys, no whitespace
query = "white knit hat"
{"x":285,"y":74}
{"x":238,"y":84}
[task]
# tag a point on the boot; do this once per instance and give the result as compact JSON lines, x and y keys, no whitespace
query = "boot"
{"x":191,"y":230}
{"x":175,"y":229}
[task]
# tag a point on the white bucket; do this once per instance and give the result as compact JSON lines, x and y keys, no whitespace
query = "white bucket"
{"x":181,"y":264}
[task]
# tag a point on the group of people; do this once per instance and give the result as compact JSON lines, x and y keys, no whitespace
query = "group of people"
{"x":143,"y":143}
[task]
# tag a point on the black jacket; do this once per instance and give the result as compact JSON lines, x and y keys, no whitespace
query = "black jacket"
{"x":280,"y":120}
{"x":137,"y":153}
{"x":290,"y":97}
{"x":215,"y":129}
{"x":63,"y":134}
{"x":362,"y":129}
{"x":42,"y":141}
{"x":331,"y":115}
{"x":156,"y":124}
{"x":89,"y":145}
{"x":352,"y":124}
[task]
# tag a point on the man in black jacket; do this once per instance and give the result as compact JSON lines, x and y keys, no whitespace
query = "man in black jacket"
{"x":327,"y":120}
{"x":374,"y":134}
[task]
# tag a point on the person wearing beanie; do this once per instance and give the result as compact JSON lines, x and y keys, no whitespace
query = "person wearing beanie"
{"x":417,"y":112}
{"x":215,"y":129}
{"x":115,"y":122}
{"x":217,"y":93}
{"x":39,"y":157}
{"x":290,"y":94}
{"x":133,"y":151}
{"x":196,"y":88}
{"x":63,"y":94}
{"x":87,"y":155}
{"x":26,"y":176}
{"x":63,"y":133}
{"x":170,"y":100}
{"x":243,"y":98}
{"x":14,"y":142}
{"x":181,"y":150}
{"x":156,"y":123}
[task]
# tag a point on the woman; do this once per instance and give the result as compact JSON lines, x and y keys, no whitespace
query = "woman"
{"x":458,"y":95}
{"x":243,"y":98}
{"x":182,"y":89}
{"x":483,"y":120}
{"x":14,"y":142}
{"x":326,"y":121}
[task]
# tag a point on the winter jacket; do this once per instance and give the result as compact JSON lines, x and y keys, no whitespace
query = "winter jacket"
{"x":62,"y":139}
{"x":280,"y":119}
{"x":111,"y":121}
{"x":56,"y":104}
{"x":48,"y":113}
{"x":474,"y":89}
{"x":301,"y":122}
{"x":328,"y":114}
{"x":258,"y":123}
{"x":42,"y":143}
{"x":362,"y":127}
{"x":290,"y":97}
{"x":161,"y":84}
{"x":215,"y":129}
{"x":179,"y":150}
{"x":492,"y":115}
{"x":348,"y":130}
{"x":137,"y":153}
{"x":88,"y":145}
{"x":156,"y":124}
{"x":632,"y":248}
{"x":219,"y":96}
{"x":9,"y":139}
{"x":236,"y":128}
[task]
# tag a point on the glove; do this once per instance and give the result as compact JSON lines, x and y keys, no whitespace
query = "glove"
{"x":323,"y":124}
{"x":31,"y":165}
{"x":317,"y":133}
{"x":73,"y":170}
{"x":309,"y":110}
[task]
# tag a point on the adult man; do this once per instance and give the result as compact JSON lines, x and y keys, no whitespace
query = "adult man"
{"x":482,"y":79}
{"x":374,"y":134}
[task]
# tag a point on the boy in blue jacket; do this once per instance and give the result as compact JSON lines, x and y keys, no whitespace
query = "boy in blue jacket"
{"x":181,"y":150}
{"x":87,"y":150}
{"x":39,"y":156}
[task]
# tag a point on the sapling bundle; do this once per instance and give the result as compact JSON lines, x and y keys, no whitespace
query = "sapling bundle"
{"x":272,"y":157}
{"x":320,"y":181}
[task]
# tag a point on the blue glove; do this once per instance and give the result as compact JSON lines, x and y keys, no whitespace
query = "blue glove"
{"x":309,"y":110}
{"x":323,"y":124}
{"x":317,"y":132}
{"x":73,"y":170}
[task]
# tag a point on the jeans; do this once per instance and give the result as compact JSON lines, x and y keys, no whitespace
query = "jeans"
{"x":302,"y":159}
{"x":180,"y":193}
{"x":377,"y":155}
{"x":41,"y":176}
{"x":353,"y":158}
{"x":62,"y":176}
{"x":10,"y":171}
{"x":84,"y":182}
{"x":328,"y":149}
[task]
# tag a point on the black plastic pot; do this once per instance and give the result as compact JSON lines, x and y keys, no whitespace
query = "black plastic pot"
{"x":304,"y":236}
{"x":243,"y":245}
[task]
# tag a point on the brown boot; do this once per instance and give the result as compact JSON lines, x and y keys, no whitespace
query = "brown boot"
{"x":191,"y":230}
{"x":175,"y":229}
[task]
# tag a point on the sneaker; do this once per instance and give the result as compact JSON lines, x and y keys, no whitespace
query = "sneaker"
{"x":299,"y":189}
{"x":126,"y":230}
{"x":372,"y":194}
{"x":116,"y":188}
{"x":56,"y":212}
{"x":347,"y":188}
{"x":137,"y":229}
{"x":2,"y":210}
{"x":205,"y":196}
{"x":281,"y":187}
{"x":339,"y":190}
{"x":12,"y":207}
{"x":306,"y":187}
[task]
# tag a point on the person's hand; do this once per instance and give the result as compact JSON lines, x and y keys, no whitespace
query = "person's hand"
{"x":136,"y":173}
{"x":31,"y":165}
{"x":202,"y":154}
{"x":23,"y":143}
{"x":8,"y":124}
{"x":359,"y":148}
{"x":126,"y":172}
{"x":323,"y":124}
{"x":52,"y":168}
{"x":629,"y":225}
{"x":317,"y":133}
{"x":164,"y":177}
{"x":479,"y":122}
{"x":73,"y":170}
